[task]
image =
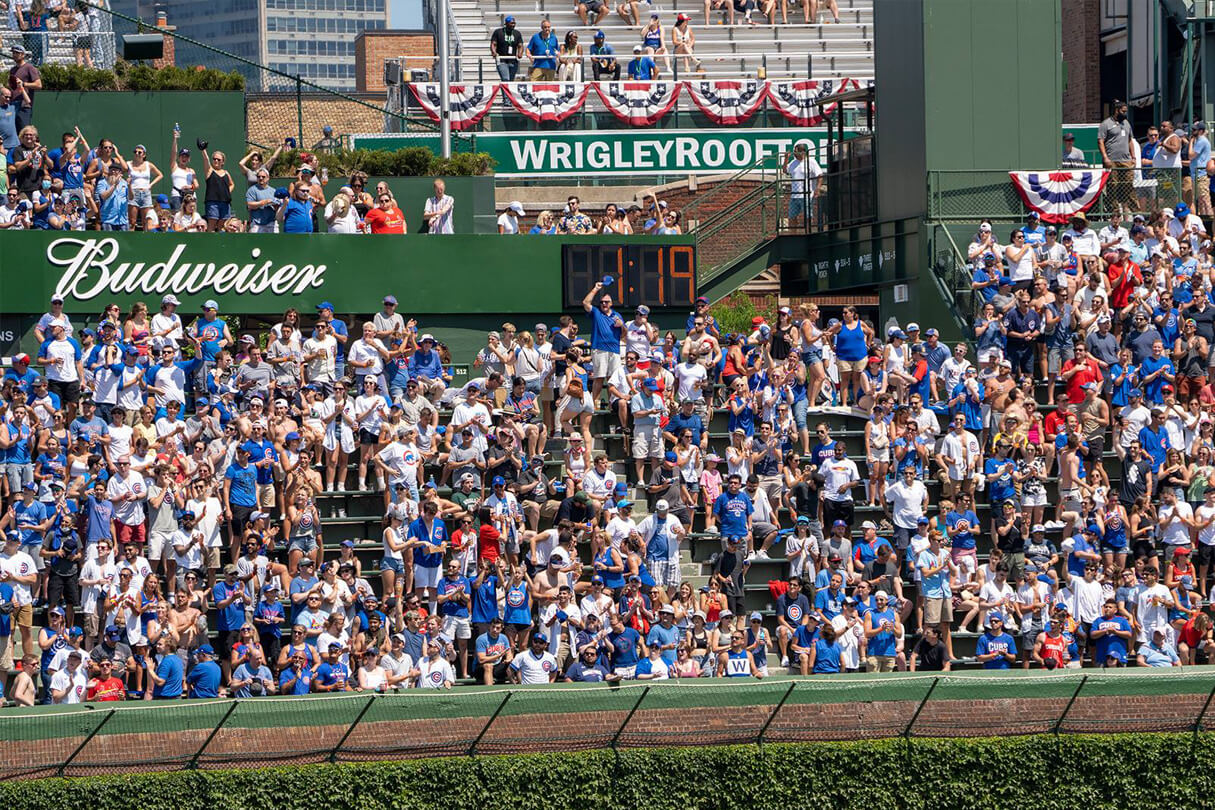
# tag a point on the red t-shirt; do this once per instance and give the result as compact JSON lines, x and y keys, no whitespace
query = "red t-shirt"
{"x":1120,"y":292}
{"x":1089,"y":372}
{"x":390,"y":221}
{"x":489,"y":543}
{"x":109,"y":689}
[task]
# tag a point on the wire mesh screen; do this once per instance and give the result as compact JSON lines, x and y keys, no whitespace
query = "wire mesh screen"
{"x":178,"y":735}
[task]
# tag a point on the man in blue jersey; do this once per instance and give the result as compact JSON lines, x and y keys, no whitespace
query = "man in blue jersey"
{"x":733,"y":509}
{"x":606,"y":329}
{"x":494,"y":653}
{"x":1112,"y":634}
{"x":428,"y":539}
{"x":210,"y":336}
{"x":455,"y":595}
{"x":995,"y":648}
{"x":625,"y":643}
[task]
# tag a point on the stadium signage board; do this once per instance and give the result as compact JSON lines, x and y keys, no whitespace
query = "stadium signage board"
{"x":618,"y":152}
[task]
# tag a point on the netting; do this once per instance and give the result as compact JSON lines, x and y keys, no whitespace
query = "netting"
{"x":75,"y":741}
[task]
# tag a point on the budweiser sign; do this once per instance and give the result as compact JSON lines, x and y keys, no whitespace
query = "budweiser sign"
{"x":93,"y":267}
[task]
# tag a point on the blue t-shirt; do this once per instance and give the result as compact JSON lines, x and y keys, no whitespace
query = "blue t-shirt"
{"x":659,"y":636}
{"x":27,"y":518}
{"x":169,"y":670}
{"x":114,"y":207}
{"x":243,"y":491}
{"x":605,"y":334}
{"x":1110,"y":644}
{"x":452,"y":607}
{"x":492,"y":646}
{"x":6,"y":615}
{"x":1153,"y":390}
{"x":232,"y":616}
{"x":298,"y":216}
{"x":302,"y":685}
{"x":91,"y":429}
{"x":543,"y":51}
{"x":624,"y":647}
{"x":265,"y":214}
{"x":732,"y":512}
{"x":1200,"y":153}
{"x":826,"y":656}
{"x":328,"y":674}
{"x":1003,"y":643}
{"x":966,"y":539}
{"x":209,"y":334}
{"x":829,"y":604}
{"x":935,"y":586}
{"x":1001,"y":488}
{"x":272,"y":611}
{"x":485,"y":601}
{"x":204,"y":679}
{"x":642,"y":67}
{"x":258,"y":452}
{"x":881,"y":643}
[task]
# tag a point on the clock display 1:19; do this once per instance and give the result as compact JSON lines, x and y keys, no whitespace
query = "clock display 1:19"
{"x":654,"y":275}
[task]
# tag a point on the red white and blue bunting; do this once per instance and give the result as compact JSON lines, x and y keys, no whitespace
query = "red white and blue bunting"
{"x":468,"y":102}
{"x":727,"y":101}
{"x":799,"y":100}
{"x":638,"y":103}
{"x":1057,"y":196}
{"x":547,"y":101}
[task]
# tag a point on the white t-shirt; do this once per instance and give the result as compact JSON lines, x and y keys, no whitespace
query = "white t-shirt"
{"x":77,"y":684}
{"x":1175,"y":532}
{"x":128,"y":512}
{"x":688,"y":374}
{"x":161,"y":322}
{"x":600,"y":485}
{"x":907,"y":501}
{"x":19,"y":564}
{"x":361,"y":351}
{"x":435,"y":673}
{"x":836,"y":473}
{"x":1206,"y":536}
{"x":800,"y":170}
{"x":534,"y":668}
{"x":403,"y":460}
{"x":508,"y":223}
{"x":1086,"y":598}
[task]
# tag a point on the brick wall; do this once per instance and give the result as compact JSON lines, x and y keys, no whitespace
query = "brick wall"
{"x":1082,"y":57}
{"x":270,"y":117}
{"x":371,"y":48}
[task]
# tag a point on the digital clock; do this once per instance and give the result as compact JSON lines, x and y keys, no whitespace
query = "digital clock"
{"x":654,"y":275}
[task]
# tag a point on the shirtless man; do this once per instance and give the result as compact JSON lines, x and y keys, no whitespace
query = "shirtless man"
{"x":23,"y":691}
{"x":997,"y":389}
{"x":186,"y":622}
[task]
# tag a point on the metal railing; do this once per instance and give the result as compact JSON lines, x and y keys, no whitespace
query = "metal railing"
{"x":80,"y":47}
{"x":187,"y":735}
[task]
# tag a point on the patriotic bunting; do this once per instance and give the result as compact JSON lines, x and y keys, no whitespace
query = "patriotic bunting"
{"x":727,"y":101}
{"x":1058,"y":195}
{"x":547,"y":101}
{"x":638,"y":103}
{"x":797,"y":100}
{"x":468,"y":102}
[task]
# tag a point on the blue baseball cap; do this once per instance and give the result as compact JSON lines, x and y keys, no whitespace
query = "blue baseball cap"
{"x":995,"y":617}
{"x":670,"y":456}
{"x":621,"y":488}
{"x":205,"y":649}
{"x":293,"y":436}
{"x":599,"y":34}
{"x":162,"y":200}
{"x":324,"y":305}
{"x":130,"y":350}
{"x":803,"y":519}
{"x":1181,"y":210}
{"x":509,"y":19}
{"x":1005,"y":281}
{"x":650,"y":385}
{"x":499,"y":481}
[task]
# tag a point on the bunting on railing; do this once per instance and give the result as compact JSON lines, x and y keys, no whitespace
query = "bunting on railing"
{"x":1058,"y":195}
{"x":468,"y":102}
{"x":798,"y":100}
{"x":551,"y":101}
{"x":727,"y":101}
{"x":638,"y":103}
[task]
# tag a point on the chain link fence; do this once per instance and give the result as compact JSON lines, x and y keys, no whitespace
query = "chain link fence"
{"x":182,"y":735}
{"x":970,"y":196}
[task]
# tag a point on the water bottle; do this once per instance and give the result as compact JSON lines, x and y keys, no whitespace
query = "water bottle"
{"x":324,"y":175}
{"x":176,"y":129}
{"x":190,"y":178}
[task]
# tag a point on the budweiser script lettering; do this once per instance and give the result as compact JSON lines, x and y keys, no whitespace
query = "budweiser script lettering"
{"x":92,"y":268}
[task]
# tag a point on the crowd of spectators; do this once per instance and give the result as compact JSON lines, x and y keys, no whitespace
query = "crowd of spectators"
{"x":163,"y":515}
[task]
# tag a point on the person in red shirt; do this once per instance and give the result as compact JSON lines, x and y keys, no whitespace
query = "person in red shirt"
{"x":385,"y":217}
{"x":105,"y":686}
{"x":1124,"y":276}
{"x":1079,"y":370}
{"x":489,"y":543}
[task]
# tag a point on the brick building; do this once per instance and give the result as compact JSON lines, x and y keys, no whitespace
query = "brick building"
{"x":373,"y":48}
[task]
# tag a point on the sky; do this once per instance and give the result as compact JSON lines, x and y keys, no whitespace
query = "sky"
{"x":405,"y":14}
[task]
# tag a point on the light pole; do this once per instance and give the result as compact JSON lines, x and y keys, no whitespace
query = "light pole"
{"x":444,"y":80}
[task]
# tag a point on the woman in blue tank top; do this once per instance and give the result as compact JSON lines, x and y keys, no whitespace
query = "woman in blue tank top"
{"x":518,"y":613}
{"x":852,"y":338}
{"x":609,"y":564}
{"x":825,"y":657}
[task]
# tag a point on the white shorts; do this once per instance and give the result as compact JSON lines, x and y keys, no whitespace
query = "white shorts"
{"x":647,"y":441}
{"x":255,"y":228}
{"x":156,"y":544}
{"x":604,"y":363}
{"x":345,"y":435}
{"x":457,"y":627}
{"x":424,"y":577}
{"x":666,"y":572}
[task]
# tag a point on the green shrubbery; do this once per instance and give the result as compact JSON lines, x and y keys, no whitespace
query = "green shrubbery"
{"x":1090,"y":772}
{"x":138,"y":79}
{"x":412,"y":161}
